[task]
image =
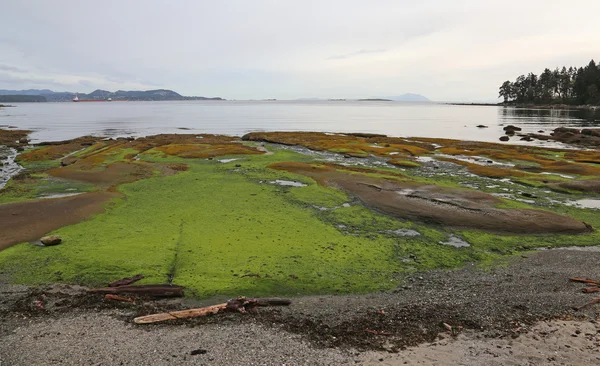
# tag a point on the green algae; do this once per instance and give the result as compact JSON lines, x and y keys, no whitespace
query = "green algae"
{"x":222,"y":228}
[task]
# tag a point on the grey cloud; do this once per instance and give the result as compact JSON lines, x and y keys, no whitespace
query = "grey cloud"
{"x":86,"y":83}
{"x":286,"y":49}
{"x":356,"y":53}
{"x":28,"y":80}
{"x":11,"y":68}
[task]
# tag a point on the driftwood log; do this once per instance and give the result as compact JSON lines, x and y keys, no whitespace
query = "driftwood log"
{"x":240,"y":304}
{"x":588,"y":290}
{"x":111,"y":297}
{"x":125,"y":281}
{"x":151,"y":290}
{"x":586,"y":280}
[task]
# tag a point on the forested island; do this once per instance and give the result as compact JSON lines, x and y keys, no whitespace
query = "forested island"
{"x":569,"y":86}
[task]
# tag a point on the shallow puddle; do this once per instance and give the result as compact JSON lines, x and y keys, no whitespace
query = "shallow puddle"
{"x":288,"y":183}
{"x":456,"y":242}
{"x":404,"y":232}
{"x":321,"y":208}
{"x":227,"y":160}
{"x":593,"y":203}
{"x":558,"y":174}
{"x":59,"y":195}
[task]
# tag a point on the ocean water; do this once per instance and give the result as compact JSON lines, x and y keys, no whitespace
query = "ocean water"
{"x":59,"y":121}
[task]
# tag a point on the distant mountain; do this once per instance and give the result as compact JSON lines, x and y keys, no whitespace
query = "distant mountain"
{"x":409,"y":97}
{"x":133,"y":95}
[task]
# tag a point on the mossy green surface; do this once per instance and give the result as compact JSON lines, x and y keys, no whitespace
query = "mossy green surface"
{"x":224,"y":228}
{"x":40,"y":185}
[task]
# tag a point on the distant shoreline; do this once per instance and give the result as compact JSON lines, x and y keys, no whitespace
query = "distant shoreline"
{"x":536,"y":106}
{"x":374,"y":100}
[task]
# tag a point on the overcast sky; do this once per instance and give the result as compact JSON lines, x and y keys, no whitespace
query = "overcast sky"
{"x":445,"y":50}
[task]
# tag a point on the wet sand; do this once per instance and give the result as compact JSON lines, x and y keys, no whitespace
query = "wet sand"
{"x":29,"y":221}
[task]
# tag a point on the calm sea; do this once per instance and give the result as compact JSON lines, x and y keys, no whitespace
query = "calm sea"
{"x":59,"y":121}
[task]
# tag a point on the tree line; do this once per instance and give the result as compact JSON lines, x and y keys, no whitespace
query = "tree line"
{"x":573,"y":86}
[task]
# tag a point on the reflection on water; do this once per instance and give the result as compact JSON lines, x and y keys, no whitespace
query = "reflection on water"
{"x":551,"y":117}
{"x":59,"y":121}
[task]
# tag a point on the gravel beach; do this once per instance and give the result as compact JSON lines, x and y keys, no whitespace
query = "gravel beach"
{"x":516,"y":313}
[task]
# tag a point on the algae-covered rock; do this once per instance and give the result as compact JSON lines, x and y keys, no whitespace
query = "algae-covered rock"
{"x":51,"y":240}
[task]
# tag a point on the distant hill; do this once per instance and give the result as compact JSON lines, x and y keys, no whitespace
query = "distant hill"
{"x":409,"y":97}
{"x":21,"y":98}
{"x":25,"y":92}
{"x":133,"y":95}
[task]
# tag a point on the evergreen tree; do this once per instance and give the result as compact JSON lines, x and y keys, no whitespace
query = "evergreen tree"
{"x":569,"y":86}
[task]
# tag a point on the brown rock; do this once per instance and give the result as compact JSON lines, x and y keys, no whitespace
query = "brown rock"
{"x":68,"y":161}
{"x":504,"y":138}
{"x":51,"y":240}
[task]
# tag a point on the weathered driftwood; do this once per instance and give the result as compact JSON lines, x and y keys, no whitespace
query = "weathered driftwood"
{"x":109,"y":297}
{"x":588,"y":290}
{"x":240,"y":304}
{"x":585,"y":280}
{"x":125,"y":281}
{"x":585,"y":306}
{"x":151,"y":290}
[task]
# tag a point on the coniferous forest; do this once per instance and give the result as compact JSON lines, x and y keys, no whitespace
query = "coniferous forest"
{"x":572,"y":86}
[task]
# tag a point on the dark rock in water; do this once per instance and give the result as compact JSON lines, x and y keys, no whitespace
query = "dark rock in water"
{"x":541,"y":131}
{"x":526,"y":138}
{"x":561,"y":130}
{"x":24,"y":140}
{"x":199,"y":351}
{"x":589,"y":132}
{"x":51,"y":240}
{"x":529,"y":195}
{"x":365,"y":135}
{"x":482,"y":126}
{"x":504,"y":138}
{"x":512,"y":128}
{"x":510,"y":132}
{"x":347,"y":156}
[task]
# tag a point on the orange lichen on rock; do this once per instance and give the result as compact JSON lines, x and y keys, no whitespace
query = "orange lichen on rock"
{"x":353,"y":145}
{"x":13,"y":138}
{"x":584,"y":156}
{"x":206,"y":150}
{"x":403,"y":163}
{"x":57,"y":150}
{"x":108,"y":177}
